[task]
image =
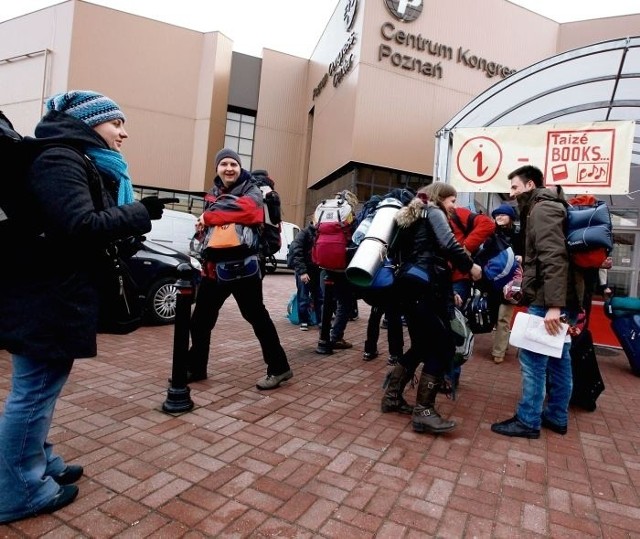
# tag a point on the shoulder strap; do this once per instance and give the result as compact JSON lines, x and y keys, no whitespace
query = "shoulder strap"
{"x":465,"y":228}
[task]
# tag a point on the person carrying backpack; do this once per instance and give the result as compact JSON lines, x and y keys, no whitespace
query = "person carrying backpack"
{"x":471,"y":230}
{"x":335,"y":226}
{"x":504,"y":217}
{"x":234,"y":206}
{"x":551,"y":291}
{"x":49,"y":282}
{"x":308,"y":283}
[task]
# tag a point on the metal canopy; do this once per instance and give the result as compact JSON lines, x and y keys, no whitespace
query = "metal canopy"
{"x":595,"y":83}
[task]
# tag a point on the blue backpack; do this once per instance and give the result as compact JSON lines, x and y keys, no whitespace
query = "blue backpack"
{"x":497,"y":260}
{"x":292,"y":311}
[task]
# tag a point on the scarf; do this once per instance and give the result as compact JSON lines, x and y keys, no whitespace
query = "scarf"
{"x":112,"y":163}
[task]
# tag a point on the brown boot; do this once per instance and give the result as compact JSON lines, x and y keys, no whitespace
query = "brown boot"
{"x":393,"y":400}
{"x":425,"y":417}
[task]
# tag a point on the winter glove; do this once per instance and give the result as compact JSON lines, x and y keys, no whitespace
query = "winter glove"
{"x":155,"y":205}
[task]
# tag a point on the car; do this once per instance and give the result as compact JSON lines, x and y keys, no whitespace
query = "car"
{"x":288,"y":231}
{"x":175,"y":230}
{"x":154,"y":267}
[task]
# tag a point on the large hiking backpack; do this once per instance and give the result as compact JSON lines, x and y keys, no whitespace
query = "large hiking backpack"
{"x":270,"y":237}
{"x":589,"y":231}
{"x":333,"y":219}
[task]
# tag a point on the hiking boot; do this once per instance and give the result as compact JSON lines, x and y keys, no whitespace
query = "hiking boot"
{"x":368,"y":356}
{"x":271,"y":381}
{"x":304,"y":327}
{"x":392,"y":400}
{"x":324,"y":348}
{"x":341,"y":344}
{"x":425,"y":416}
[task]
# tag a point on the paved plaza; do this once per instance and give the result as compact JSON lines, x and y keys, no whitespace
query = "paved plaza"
{"x":317,"y":459}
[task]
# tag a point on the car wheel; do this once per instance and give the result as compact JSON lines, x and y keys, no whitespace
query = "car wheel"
{"x":161,"y":301}
{"x":271,"y":264}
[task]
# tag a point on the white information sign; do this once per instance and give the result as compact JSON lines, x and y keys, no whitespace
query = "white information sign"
{"x":590,"y":158}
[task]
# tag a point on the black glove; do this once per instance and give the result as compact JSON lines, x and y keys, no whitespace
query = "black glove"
{"x":155,"y":205}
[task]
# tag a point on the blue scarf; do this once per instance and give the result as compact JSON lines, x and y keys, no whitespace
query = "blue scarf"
{"x":112,"y":163}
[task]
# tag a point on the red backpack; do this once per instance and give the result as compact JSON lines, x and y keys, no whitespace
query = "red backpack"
{"x":333,"y":218}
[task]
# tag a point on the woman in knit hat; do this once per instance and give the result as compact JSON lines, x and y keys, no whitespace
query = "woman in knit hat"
{"x":49,"y":300}
{"x":233,"y":200}
{"x":505,"y":217}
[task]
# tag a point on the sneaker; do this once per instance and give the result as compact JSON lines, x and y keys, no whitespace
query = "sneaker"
{"x":304,"y":327}
{"x":497,"y":359}
{"x":271,"y":381}
{"x":368,"y":356}
{"x":341,"y":344}
{"x":393,"y":360}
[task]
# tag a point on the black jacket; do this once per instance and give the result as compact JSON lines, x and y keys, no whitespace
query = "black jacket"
{"x":300,"y":251}
{"x":426,"y":239}
{"x":48,"y":286}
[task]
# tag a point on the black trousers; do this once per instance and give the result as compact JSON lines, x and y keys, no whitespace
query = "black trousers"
{"x":394,"y":329}
{"x":248,"y":295}
{"x":429,"y":330}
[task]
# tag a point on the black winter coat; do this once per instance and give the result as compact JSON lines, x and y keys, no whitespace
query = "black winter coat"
{"x":426,"y":239}
{"x":300,"y":251}
{"x":48,"y":283}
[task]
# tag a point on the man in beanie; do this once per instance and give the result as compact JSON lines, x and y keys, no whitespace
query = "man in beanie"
{"x":245,"y":207}
{"x":49,"y":301}
{"x":504,"y":217}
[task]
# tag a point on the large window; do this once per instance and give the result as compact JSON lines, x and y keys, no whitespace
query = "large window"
{"x":239,"y":136}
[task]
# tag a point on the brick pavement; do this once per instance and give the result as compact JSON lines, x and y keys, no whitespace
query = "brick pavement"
{"x":316,"y":458}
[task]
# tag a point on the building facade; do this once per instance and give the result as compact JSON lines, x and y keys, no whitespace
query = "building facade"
{"x":360,"y":114}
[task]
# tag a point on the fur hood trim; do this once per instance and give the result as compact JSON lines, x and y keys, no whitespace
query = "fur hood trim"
{"x":410,"y":213}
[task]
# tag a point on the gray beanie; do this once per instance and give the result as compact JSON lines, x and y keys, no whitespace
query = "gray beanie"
{"x":226,"y":152}
{"x":90,"y":107}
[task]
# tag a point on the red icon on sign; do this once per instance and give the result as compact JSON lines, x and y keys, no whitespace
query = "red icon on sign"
{"x":479,"y":159}
{"x":559,"y":173}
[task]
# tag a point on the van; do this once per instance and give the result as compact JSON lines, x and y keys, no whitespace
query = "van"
{"x":174,"y":230}
{"x":279,"y":260}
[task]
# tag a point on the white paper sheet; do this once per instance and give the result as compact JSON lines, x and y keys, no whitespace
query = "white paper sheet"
{"x":528,"y":332}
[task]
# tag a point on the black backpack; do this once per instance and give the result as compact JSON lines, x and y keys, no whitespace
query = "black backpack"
{"x":16,"y":155}
{"x":270,"y":239}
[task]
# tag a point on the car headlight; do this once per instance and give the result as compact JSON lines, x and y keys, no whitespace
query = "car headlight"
{"x":195,"y":263}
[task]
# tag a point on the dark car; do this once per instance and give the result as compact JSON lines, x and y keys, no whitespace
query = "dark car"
{"x":155,"y":270}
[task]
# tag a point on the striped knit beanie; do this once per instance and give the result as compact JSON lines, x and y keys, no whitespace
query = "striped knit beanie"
{"x":90,"y":107}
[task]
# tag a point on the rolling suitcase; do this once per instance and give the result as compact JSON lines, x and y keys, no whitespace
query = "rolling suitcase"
{"x":627,"y":330}
{"x":587,"y":380}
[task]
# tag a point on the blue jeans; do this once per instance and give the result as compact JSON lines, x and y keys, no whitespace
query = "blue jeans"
{"x":543,"y":374}
{"x":26,"y":459}
{"x":307,"y":292}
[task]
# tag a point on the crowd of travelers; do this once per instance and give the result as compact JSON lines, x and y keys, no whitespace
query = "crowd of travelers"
{"x":49,"y":319}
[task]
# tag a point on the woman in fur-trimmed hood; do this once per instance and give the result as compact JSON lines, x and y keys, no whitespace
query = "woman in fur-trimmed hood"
{"x":425,"y":242}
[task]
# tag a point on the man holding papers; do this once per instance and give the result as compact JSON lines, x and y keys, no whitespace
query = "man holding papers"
{"x":550,"y":290}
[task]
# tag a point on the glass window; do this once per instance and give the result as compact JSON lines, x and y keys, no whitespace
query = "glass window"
{"x":239,"y":136}
{"x":231,"y":143}
{"x":246,"y":130}
{"x":233,"y":128}
{"x":245,"y":147}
